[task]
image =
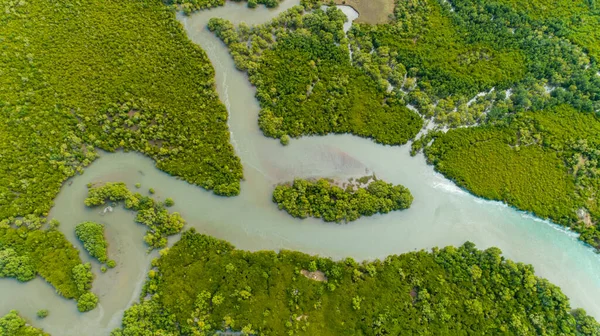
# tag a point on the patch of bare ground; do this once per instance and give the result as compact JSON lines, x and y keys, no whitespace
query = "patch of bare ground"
{"x":370,"y":11}
{"x":585,"y":217}
{"x":316,"y":275}
{"x":302,"y":318}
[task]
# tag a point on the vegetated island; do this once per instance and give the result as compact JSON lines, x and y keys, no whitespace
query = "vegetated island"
{"x":202,"y":285}
{"x":321,"y":198}
{"x":110,"y":75}
{"x":91,"y":234}
{"x":26,"y":251}
{"x":12,"y":324}
{"x":151,"y":213}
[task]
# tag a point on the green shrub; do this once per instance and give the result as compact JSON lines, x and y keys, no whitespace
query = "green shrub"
{"x":42,"y":313}
{"x":86,"y":302}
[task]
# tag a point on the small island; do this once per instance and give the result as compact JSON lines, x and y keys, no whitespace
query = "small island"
{"x":322,"y":198}
{"x":92,"y":236}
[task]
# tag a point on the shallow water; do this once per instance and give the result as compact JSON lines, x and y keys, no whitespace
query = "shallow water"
{"x":442,"y":214}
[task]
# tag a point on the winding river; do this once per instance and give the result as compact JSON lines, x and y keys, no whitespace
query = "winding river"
{"x":442,"y":214}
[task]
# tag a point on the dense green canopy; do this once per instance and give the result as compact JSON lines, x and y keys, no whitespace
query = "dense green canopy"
{"x":546,"y":162}
{"x":92,"y":236}
{"x":25,"y":253}
{"x":12,"y":324}
{"x":109,"y":74}
{"x":306,"y":82}
{"x":201,"y":285}
{"x":321,"y":199}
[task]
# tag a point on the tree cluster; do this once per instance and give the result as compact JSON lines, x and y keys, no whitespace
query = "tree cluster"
{"x":154,"y":215}
{"x":25,"y":253}
{"x":190,"y":6}
{"x":306,"y":82}
{"x":12,"y":324}
{"x":108,"y":75}
{"x":92,"y":236}
{"x":202,"y":285}
{"x":322,"y":199}
{"x":544,"y":162}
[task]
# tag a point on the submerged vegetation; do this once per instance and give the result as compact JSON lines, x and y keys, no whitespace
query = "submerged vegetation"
{"x":106,"y":74}
{"x":306,"y":82}
{"x":12,"y":324}
{"x":321,"y":199}
{"x":154,"y":215}
{"x":92,"y":236}
{"x":450,"y":291}
{"x":25,"y":253}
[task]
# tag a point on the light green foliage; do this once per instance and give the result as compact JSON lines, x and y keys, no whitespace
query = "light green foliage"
{"x":12,"y":324}
{"x":410,"y":294}
{"x":153,"y":214}
{"x":88,"y":301}
{"x":15,"y":266}
{"x":306,"y":82}
{"x":321,"y":199}
{"x":189,"y":6}
{"x":46,"y":253}
{"x":83,"y":276}
{"x":42,"y":313}
{"x":151,"y":191}
{"x":108,"y":74}
{"x":111,"y":264}
{"x":92,"y":236}
{"x":545,"y":162}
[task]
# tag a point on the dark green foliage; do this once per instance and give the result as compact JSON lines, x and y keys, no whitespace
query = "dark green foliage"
{"x":202,"y":285}
{"x":92,"y":236}
{"x":25,"y":253}
{"x":321,"y":199}
{"x":306,"y":83}
{"x":12,"y":324}
{"x":579,"y":20}
{"x":88,"y":301}
{"x":426,"y":41}
{"x":451,"y":50}
{"x":153,"y":214}
{"x":547,"y":163}
{"x":108,"y":74}
{"x":169,"y":202}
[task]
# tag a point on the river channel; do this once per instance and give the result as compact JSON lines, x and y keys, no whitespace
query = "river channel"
{"x":442,"y":214}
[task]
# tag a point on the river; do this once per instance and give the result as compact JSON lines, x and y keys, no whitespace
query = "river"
{"x":441,"y":214}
